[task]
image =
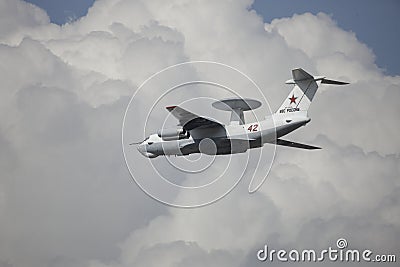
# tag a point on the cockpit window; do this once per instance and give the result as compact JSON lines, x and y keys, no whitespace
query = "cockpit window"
{"x":150,"y":143}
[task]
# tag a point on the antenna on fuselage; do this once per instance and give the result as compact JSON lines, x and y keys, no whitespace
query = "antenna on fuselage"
{"x":236,"y":106}
{"x":137,"y":143}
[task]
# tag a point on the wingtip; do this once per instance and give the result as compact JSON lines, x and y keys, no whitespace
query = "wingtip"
{"x":169,"y":108}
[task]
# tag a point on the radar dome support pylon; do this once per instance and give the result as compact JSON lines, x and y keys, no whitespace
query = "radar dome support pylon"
{"x":237,"y":106}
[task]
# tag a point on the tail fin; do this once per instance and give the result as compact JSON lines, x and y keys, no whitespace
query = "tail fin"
{"x":305,"y":87}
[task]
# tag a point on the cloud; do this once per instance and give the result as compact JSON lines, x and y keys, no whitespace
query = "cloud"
{"x":66,"y":197}
{"x":305,"y":203}
{"x":319,"y":36}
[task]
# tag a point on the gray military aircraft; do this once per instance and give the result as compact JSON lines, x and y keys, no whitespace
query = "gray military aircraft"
{"x":196,"y":134}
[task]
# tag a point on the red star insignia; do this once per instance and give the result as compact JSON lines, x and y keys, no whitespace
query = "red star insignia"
{"x":292,"y":99}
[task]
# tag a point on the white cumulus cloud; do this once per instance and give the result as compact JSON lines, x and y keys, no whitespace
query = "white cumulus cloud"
{"x":66,"y":197}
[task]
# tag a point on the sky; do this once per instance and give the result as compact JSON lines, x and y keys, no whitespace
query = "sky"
{"x":61,"y":12}
{"x":375,"y":23}
{"x":67,"y":197}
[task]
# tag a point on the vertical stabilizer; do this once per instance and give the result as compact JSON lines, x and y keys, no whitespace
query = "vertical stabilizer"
{"x":305,"y":87}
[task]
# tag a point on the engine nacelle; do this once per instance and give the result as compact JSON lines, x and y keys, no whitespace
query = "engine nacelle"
{"x":170,"y":134}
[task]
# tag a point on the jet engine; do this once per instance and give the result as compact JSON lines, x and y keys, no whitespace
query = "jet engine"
{"x":170,"y":134}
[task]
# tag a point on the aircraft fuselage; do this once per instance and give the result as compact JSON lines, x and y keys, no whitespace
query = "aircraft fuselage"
{"x":231,"y":140}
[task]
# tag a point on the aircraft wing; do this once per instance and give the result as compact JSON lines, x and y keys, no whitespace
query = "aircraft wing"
{"x":282,"y":142}
{"x":190,"y":121}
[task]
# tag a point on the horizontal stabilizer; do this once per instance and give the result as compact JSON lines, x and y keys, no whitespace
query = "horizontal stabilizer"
{"x":282,"y":142}
{"x":301,"y":75}
{"x":327,"y":81}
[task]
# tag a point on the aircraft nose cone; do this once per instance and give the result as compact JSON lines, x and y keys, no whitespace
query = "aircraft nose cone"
{"x":141,"y":148}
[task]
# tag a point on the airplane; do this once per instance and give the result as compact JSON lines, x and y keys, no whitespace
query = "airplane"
{"x":196,"y":134}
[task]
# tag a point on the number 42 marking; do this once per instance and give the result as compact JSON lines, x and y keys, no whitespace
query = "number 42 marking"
{"x":253,"y":128}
